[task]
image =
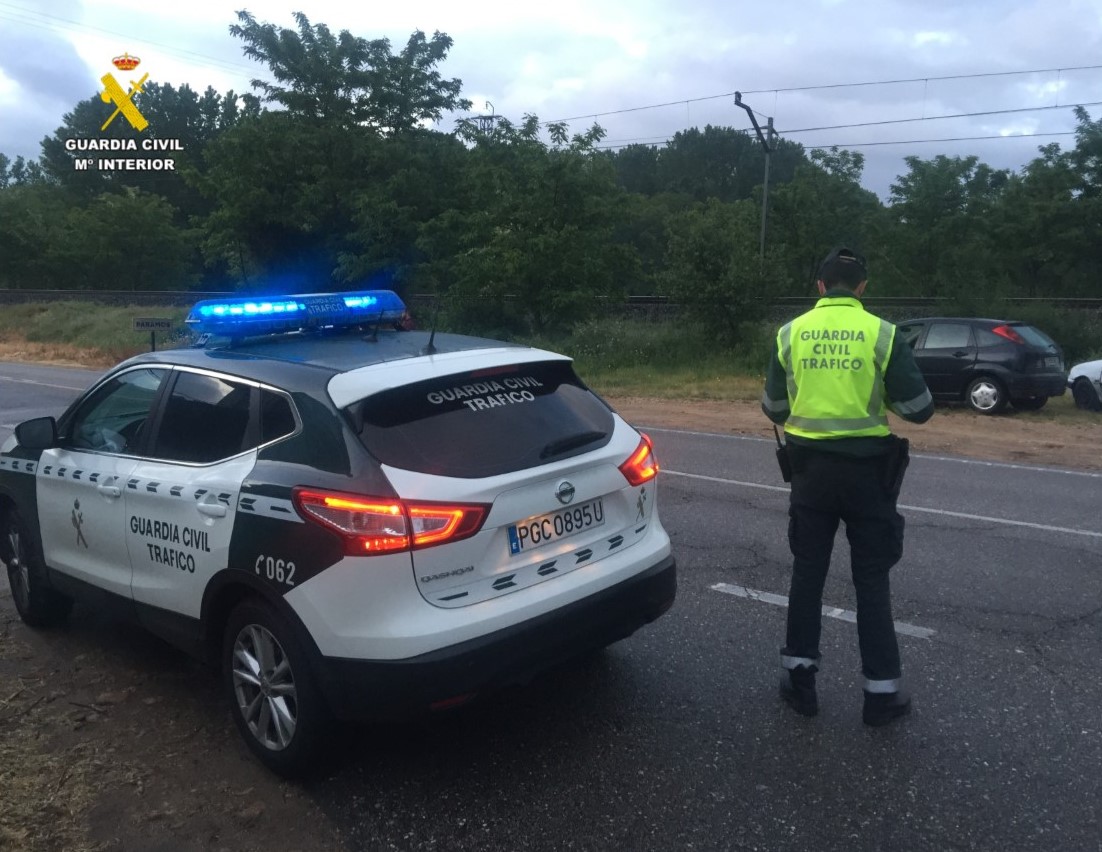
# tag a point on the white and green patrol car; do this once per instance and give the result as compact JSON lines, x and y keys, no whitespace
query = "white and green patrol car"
{"x":349,"y":518}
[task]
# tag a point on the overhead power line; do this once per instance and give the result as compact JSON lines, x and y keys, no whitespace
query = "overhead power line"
{"x":617,"y":144}
{"x":46,"y":21}
{"x":939,"y":117}
{"x":890,"y":82}
{"x":946,"y":139}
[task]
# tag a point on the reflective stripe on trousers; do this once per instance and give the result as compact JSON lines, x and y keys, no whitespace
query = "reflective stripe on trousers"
{"x":882,"y":687}
{"x":791,"y":663}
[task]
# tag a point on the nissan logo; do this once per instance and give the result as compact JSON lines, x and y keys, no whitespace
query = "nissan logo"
{"x":565,"y":492}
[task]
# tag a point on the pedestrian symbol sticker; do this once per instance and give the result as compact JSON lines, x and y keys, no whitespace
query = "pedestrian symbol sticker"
{"x":78,"y":522}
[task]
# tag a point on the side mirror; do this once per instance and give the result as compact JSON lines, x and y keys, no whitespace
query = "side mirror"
{"x":37,"y":434}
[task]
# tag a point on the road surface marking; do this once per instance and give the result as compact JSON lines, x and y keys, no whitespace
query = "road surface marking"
{"x":904,"y":507}
{"x":1007,"y":465}
{"x":828,"y":611}
{"x":41,"y":384}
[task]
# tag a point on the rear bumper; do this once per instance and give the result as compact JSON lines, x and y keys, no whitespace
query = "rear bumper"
{"x":1023,"y":385}
{"x":362,"y":689}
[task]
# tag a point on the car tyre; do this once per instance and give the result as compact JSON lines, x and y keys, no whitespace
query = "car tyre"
{"x":275,"y":704}
{"x":1029,"y":403}
{"x":986,"y":395}
{"x":37,"y":604}
{"x":1085,"y":396}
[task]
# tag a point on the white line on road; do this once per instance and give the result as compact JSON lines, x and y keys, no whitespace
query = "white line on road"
{"x":1006,"y":465}
{"x":828,"y":611}
{"x":903,"y":507}
{"x":41,"y":384}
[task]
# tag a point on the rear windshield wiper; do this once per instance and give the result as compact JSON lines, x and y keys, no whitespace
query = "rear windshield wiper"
{"x":571,"y":442}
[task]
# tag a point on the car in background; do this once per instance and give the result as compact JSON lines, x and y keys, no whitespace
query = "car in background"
{"x":986,"y":363}
{"x":1085,"y":381}
{"x":352,"y":519}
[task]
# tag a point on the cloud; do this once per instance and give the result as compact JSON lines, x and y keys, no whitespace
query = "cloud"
{"x":43,"y":79}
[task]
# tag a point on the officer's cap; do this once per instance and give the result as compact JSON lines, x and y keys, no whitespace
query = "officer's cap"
{"x":843,"y":258}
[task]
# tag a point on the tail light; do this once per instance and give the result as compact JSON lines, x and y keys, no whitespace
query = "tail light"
{"x":1009,"y":333}
{"x":371,"y":526}
{"x":641,"y":466}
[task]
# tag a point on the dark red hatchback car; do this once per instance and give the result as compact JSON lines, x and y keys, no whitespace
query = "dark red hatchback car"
{"x":986,"y":363}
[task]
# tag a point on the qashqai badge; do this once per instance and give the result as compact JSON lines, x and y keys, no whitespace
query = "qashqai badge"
{"x":565,"y":492}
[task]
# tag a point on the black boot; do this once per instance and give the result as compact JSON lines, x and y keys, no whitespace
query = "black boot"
{"x":798,"y":690}
{"x":883,"y":707}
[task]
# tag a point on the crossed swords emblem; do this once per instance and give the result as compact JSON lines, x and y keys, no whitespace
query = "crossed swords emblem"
{"x":113,"y":93}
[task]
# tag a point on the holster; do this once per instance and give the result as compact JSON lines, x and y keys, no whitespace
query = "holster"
{"x":895,"y":465}
{"x":784,"y":461}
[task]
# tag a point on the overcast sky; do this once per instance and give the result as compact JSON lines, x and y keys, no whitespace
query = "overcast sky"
{"x":643,"y":69}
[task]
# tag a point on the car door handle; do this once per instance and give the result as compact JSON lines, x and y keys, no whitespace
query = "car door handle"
{"x":214,"y":510}
{"x":960,"y":353}
{"x":109,"y":490}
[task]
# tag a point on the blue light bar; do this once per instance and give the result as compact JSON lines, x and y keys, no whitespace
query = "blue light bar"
{"x":244,"y":316}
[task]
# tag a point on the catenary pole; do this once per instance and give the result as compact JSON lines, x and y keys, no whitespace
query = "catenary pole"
{"x":766,"y":140}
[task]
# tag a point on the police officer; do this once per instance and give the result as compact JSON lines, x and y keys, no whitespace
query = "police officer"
{"x":835,"y":372}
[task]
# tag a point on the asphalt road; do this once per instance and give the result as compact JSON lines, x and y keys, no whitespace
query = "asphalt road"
{"x":675,"y":738}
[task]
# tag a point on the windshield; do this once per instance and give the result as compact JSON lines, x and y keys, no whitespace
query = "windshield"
{"x":1035,"y":337}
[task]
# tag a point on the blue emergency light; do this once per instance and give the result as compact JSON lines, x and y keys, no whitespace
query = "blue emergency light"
{"x":244,"y":316}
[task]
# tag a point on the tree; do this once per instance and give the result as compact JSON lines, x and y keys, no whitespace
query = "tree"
{"x":1086,"y":157}
{"x":722,"y":163}
{"x":403,"y":184}
{"x":31,"y":229}
{"x":349,"y":79}
{"x":536,"y":224}
{"x":281,"y":189}
{"x":822,"y":206}
{"x":942,"y":208}
{"x":119,"y":241}
{"x":1036,"y":226}
{"x":20,"y":172}
{"x":637,"y":168}
{"x":714,"y":269}
{"x":126,"y":241}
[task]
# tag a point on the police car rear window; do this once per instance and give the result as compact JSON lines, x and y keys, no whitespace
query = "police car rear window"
{"x":485,"y":422}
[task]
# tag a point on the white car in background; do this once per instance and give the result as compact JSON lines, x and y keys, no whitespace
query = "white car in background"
{"x":1085,"y":381}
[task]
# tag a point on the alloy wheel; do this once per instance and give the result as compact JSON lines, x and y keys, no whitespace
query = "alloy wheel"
{"x":18,"y":573}
{"x":264,"y":686}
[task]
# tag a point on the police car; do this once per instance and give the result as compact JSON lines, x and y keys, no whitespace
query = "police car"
{"x":351,"y":519}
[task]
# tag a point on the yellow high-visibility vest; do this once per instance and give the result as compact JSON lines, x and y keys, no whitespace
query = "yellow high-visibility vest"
{"x":835,"y":356}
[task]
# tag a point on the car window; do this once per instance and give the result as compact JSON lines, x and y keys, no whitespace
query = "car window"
{"x":1035,"y":337}
{"x":985,"y":337}
{"x":910,"y":332}
{"x":948,"y":335}
{"x":113,"y":418}
{"x":486,"y":422}
{"x":206,"y":418}
{"x":277,"y":419}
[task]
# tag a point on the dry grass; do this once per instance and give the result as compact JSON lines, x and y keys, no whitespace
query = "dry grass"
{"x":57,"y":354}
{"x":46,"y":791}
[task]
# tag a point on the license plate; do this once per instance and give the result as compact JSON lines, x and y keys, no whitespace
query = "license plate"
{"x":1053,"y":361}
{"x":553,"y":526}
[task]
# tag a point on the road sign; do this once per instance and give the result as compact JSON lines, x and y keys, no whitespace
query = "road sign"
{"x":152,"y":324}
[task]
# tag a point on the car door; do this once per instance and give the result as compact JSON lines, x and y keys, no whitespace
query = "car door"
{"x":946,"y":356}
{"x":80,"y":483}
{"x":181,"y":500}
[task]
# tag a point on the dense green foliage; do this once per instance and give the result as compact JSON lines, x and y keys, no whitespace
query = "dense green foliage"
{"x":331,"y":177}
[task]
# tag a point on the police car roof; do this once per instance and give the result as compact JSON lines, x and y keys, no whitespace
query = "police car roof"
{"x":307,"y":359}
